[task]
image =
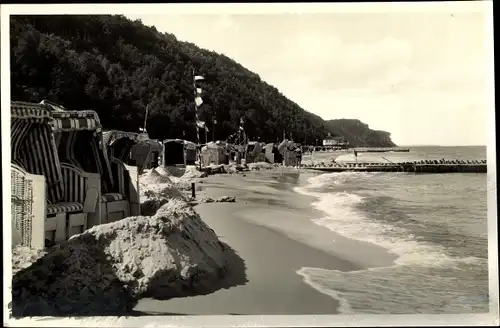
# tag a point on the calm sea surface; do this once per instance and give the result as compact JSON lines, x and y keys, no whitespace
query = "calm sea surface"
{"x":435,"y":223}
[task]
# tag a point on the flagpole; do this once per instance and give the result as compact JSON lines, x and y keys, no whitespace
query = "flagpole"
{"x":146,"y":118}
{"x":196,"y":111}
{"x":213,"y":128}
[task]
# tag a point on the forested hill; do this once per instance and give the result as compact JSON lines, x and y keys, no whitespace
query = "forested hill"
{"x":359,"y":134}
{"x":116,"y":67}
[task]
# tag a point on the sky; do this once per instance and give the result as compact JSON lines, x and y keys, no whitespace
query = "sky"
{"x":424,"y":76}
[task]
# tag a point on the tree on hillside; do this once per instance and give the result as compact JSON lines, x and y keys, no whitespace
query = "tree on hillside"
{"x":117,"y":67}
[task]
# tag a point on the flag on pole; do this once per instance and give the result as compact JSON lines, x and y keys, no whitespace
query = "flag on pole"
{"x":142,"y":129}
{"x":198,"y":101}
{"x":202,"y":125}
{"x":198,"y":91}
{"x":198,"y":78}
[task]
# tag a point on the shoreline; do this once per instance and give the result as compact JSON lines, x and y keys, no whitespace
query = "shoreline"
{"x":270,"y":228}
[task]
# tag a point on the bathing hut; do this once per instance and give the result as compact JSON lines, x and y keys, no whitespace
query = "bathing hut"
{"x":80,"y":141}
{"x":272,"y":153}
{"x":134,"y":149}
{"x":119,"y":144}
{"x":255,"y":152}
{"x":146,"y":153}
{"x":173,"y":152}
{"x":214,"y":153}
{"x":287,"y":150}
{"x":189,"y":152}
{"x":51,"y":199}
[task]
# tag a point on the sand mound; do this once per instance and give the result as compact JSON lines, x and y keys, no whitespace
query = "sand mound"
{"x":193,"y":173}
{"x":150,"y":204}
{"x":158,"y":188}
{"x":104,"y":270}
{"x":154,"y":177}
{"x":163,"y":171}
{"x":233,"y":168}
{"x":171,"y":171}
{"x":222,"y":199}
{"x":166,"y":190}
{"x":184,"y":185}
{"x":153,"y":196}
{"x":23,"y":257}
{"x":260,"y":166}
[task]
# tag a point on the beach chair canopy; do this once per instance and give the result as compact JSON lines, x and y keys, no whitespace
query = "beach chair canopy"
{"x":173,"y":150}
{"x":189,"y":145}
{"x":214,"y":153}
{"x":145,"y":152}
{"x":33,"y":146}
{"x":79,"y":140}
{"x":285,"y":145}
{"x":119,"y":143}
{"x":216,"y":147}
{"x":190,"y":152}
{"x":210,"y":145}
{"x":254,"y":148}
{"x":221,"y":143}
{"x":155,"y":145}
{"x":270,"y":147}
{"x":53,"y":106}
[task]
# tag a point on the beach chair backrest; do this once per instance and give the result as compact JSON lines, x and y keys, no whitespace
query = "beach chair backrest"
{"x":81,"y":143}
{"x":119,"y":144}
{"x":33,"y":145}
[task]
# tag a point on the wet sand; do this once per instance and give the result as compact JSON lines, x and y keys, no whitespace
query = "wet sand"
{"x":270,"y":227}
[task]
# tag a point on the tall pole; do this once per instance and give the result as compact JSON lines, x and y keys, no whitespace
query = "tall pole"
{"x":146,"y":118}
{"x":196,"y":111}
{"x":196,"y":115}
{"x":213,"y":128}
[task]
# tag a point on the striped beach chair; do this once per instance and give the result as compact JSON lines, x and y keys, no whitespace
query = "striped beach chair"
{"x":77,"y":139}
{"x":35,"y":162}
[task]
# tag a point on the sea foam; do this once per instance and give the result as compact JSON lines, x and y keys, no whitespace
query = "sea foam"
{"x":418,"y":282}
{"x":343,"y":218}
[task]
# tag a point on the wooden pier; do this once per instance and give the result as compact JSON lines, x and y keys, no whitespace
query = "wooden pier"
{"x":382,"y":150}
{"x":427,"y":166}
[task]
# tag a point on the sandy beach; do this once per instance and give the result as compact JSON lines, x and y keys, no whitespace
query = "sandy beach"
{"x":270,"y":228}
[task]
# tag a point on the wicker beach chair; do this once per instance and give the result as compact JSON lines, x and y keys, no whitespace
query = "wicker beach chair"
{"x":60,"y":194}
{"x":214,"y":154}
{"x":27,"y":208}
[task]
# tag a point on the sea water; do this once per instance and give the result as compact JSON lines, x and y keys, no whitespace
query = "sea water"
{"x":435,"y":223}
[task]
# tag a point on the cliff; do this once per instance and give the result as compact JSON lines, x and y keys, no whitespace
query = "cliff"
{"x":359,"y":134}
